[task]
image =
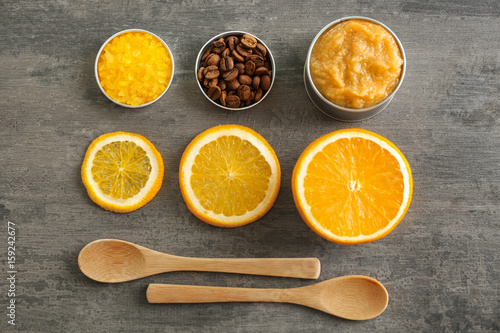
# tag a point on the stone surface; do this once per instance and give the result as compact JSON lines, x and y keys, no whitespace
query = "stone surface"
{"x":441,"y":265}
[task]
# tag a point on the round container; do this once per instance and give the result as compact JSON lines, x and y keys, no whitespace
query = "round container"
{"x":97,"y":75}
{"x":225,"y":35}
{"x":339,"y":112}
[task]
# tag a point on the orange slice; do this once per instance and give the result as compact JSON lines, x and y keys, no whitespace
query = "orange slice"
{"x":229,"y":176}
{"x":122,"y":171}
{"x":352,"y":186}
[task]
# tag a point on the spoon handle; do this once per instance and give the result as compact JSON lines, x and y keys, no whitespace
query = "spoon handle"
{"x":305,"y":268}
{"x":177,"y":293}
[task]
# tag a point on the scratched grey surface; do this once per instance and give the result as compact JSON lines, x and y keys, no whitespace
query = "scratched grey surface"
{"x":441,"y":265}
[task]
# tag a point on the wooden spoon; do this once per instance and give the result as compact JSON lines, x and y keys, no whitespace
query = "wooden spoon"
{"x":113,"y":260}
{"x":352,"y":297}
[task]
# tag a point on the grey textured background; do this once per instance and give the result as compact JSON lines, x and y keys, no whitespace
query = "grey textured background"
{"x":441,"y":265}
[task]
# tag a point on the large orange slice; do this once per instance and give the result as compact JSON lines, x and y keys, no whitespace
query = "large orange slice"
{"x":352,"y":186}
{"x":229,"y":176}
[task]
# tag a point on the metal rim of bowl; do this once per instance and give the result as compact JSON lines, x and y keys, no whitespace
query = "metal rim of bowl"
{"x":224,"y":35}
{"x":385,"y":101}
{"x":97,"y":75}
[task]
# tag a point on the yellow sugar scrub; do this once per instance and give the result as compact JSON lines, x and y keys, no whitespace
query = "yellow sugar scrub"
{"x":134,"y":68}
{"x":356,"y":63}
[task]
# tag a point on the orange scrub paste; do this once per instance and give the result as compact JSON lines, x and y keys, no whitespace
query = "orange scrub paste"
{"x":356,"y":64}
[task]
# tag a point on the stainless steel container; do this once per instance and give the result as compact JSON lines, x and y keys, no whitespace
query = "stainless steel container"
{"x":225,"y":35}
{"x":97,"y":75}
{"x":336,"y":111}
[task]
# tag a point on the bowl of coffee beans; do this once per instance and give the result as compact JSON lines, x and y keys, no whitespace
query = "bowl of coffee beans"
{"x":235,"y":70}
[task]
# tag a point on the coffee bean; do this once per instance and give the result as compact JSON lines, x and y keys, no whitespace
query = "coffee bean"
{"x":244,"y":92}
{"x":226,"y":64}
{"x":207,"y":69}
{"x":230,"y":75}
{"x":249,"y":67}
{"x":231,"y":42}
{"x":265,"y":82}
{"x":245,"y":79}
{"x":218,"y":46}
{"x":222,"y":85}
{"x":243,"y":51}
{"x":256,"y":59}
{"x":259,"y":63}
{"x":200,"y":73}
{"x":233,"y":101}
{"x":206,"y":54}
{"x":249,"y":41}
{"x":238,"y":57}
{"x":214,"y":93}
{"x":250,"y":101}
{"x":261,"y":71}
{"x":213,"y":59}
{"x":232,"y":85}
{"x":260,"y":50}
{"x":267,"y":64}
{"x":213,"y":82}
{"x":241,"y":68}
{"x":222,"y":98}
{"x":258,"y":95}
{"x":211,"y":72}
{"x":225,"y":53}
{"x":256,"y":82}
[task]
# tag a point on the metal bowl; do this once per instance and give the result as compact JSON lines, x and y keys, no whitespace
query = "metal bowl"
{"x":208,"y":45}
{"x":339,"y":112}
{"x":97,"y":75}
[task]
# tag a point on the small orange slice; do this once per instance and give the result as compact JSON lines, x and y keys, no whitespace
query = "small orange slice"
{"x":122,"y":171}
{"x":352,"y":186}
{"x":229,"y":176}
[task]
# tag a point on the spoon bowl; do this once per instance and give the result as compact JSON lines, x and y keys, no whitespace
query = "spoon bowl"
{"x":113,"y":260}
{"x":352,"y":297}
